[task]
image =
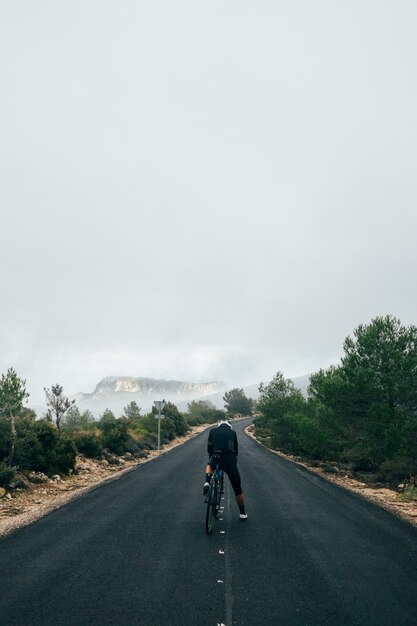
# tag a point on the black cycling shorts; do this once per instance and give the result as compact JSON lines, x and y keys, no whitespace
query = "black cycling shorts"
{"x":227,"y":463}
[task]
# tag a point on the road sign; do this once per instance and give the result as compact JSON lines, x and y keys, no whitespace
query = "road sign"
{"x":159,"y":406}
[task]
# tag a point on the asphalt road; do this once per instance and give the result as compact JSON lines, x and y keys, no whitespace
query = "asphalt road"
{"x":134,"y":551}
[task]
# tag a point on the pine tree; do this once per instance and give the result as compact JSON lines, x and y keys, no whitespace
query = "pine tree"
{"x":12,"y":395}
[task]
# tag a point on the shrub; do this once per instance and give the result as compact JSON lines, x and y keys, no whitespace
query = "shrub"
{"x":177,"y":423}
{"x":54,"y":452}
{"x":115,"y":436}
{"x":195,"y":420}
{"x":39,"y":446}
{"x":28,"y":447}
{"x":148,"y":441}
{"x":148,"y":424}
{"x":394,"y":470}
{"x":168,"y":431}
{"x":89,"y":444}
{"x":6,"y":474}
{"x":4,"y":437}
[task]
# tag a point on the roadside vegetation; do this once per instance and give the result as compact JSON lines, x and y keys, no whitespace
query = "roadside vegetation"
{"x":50,"y":445}
{"x":360,"y":415}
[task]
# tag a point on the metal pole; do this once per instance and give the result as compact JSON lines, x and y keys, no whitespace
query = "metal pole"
{"x":159,"y":405}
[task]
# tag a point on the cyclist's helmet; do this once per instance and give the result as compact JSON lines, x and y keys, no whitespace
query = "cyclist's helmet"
{"x":225,"y":423}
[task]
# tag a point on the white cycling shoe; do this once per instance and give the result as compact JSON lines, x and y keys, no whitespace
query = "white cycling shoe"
{"x":243,"y":516}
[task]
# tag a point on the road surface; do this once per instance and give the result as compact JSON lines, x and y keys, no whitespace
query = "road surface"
{"x":134,"y":551}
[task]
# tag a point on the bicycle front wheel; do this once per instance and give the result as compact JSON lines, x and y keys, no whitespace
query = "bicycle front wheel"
{"x":211,"y":507}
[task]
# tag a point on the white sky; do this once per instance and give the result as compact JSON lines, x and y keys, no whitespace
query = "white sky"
{"x":202,"y":190}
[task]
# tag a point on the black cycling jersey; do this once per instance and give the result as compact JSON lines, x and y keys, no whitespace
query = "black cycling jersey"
{"x":222,"y":439}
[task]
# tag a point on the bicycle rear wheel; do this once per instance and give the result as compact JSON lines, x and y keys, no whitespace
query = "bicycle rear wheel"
{"x":216,"y":499}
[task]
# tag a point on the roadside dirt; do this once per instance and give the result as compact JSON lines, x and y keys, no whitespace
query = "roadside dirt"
{"x":387,"y":498}
{"x":24,"y":506}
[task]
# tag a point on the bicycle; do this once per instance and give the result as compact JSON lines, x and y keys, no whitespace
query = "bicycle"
{"x":214,"y":495}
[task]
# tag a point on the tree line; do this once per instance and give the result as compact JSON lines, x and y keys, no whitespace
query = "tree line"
{"x":360,"y":414}
{"x":50,"y":444}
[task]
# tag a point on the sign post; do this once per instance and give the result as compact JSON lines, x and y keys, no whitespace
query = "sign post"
{"x":159,"y":406}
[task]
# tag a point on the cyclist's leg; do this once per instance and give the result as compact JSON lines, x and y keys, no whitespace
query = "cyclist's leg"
{"x":209,"y":473}
{"x":209,"y":470}
{"x":234,"y":476}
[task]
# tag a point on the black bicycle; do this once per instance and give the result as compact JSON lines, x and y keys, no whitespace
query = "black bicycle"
{"x":214,"y":495}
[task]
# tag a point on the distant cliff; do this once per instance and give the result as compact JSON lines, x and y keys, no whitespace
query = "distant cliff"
{"x":128,"y":384}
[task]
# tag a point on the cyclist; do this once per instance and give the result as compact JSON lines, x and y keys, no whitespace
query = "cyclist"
{"x":223,"y":440}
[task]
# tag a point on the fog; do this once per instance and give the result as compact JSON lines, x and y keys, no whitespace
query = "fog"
{"x":202,"y":190}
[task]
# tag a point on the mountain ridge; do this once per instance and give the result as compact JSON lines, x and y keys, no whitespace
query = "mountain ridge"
{"x":141,"y":384}
{"x":114,"y":392}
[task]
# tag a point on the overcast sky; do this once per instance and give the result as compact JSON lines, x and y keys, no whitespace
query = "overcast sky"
{"x":202,"y":190}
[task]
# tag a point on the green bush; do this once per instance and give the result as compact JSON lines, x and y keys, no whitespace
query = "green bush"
{"x":168,"y":430}
{"x":395,"y":470}
{"x":148,"y":424}
{"x":28,"y":447}
{"x":308,"y":435}
{"x":4,"y":437}
{"x":195,"y":420}
{"x":88,"y":444}
{"x":55,"y":453}
{"x":178,"y":423}
{"x":40,"y":447}
{"x":6,"y":474}
{"x":144,"y":443}
{"x":115,"y":436}
{"x":151,"y":441}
